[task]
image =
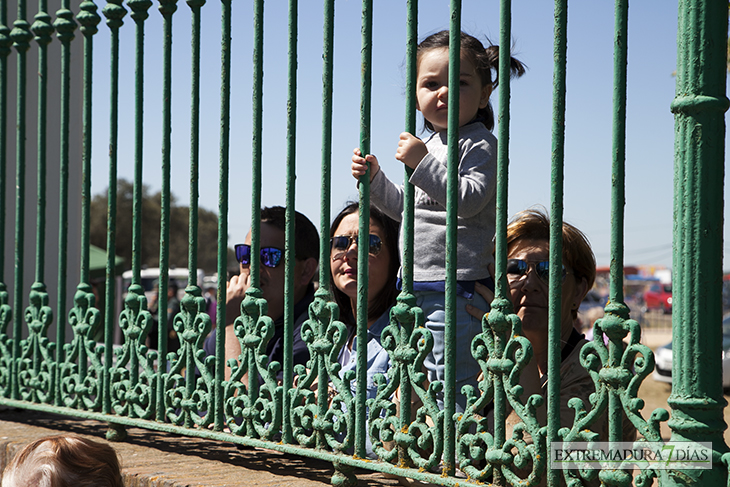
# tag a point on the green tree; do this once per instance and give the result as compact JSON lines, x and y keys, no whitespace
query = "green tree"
{"x":150,"y":241}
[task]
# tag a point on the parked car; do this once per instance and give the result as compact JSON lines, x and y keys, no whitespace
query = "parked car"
{"x":663,"y":358}
{"x":658,"y":296}
{"x":591,"y":309}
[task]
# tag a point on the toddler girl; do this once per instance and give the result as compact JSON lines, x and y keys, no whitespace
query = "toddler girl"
{"x":476,"y":192}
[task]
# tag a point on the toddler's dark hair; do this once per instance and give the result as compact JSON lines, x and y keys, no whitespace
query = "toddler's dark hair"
{"x":484,"y":60}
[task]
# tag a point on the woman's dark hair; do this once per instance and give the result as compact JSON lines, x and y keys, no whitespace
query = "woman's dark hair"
{"x":484,"y":59}
{"x":386,"y":298}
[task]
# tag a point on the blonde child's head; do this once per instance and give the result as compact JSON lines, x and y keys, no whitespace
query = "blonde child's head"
{"x":64,"y":461}
{"x":482,"y":60}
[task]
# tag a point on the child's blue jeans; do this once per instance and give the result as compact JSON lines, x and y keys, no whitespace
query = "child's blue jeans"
{"x":467,"y":327}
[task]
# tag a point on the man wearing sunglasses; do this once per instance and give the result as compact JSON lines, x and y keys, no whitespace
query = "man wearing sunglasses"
{"x":271,"y":281}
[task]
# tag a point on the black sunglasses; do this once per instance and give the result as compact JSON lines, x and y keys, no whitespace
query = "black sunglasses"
{"x":340,"y":243}
{"x":270,"y":256}
{"x":518,"y":268}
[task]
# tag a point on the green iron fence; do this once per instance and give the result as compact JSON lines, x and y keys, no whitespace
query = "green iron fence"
{"x":137,"y":386}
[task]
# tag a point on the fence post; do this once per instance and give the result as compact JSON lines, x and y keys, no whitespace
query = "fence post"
{"x":699,"y":107}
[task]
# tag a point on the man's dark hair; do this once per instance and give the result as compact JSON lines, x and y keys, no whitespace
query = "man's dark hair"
{"x":306,"y":238}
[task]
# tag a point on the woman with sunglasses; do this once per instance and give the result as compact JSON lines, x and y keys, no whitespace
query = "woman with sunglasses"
{"x":383,"y":267}
{"x":528,"y":276}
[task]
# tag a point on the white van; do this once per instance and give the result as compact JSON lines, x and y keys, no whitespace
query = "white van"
{"x":150,"y":276}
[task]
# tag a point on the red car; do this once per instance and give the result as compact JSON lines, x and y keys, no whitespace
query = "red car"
{"x":659,"y":296}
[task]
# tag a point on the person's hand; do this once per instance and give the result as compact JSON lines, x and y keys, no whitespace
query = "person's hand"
{"x":484,"y":292}
{"x":235,"y":292}
{"x":411,"y":150}
{"x":360,"y":165}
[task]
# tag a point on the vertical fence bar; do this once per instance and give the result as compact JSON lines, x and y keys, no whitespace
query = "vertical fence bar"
{"x":139,"y":15}
{"x":618,"y":198}
{"x":618,"y":193}
{"x":42,"y":29}
{"x":452,"y":189}
{"x":38,"y":315}
{"x":258,"y":78}
{"x":326,"y":163}
{"x":65,"y":27}
{"x":290,"y":247}
{"x":699,"y":108}
{"x":21,"y":37}
{"x":410,"y":127}
{"x":503,"y":301}
{"x":192,"y":288}
{"x":84,"y":298}
{"x":556,"y":227}
{"x":5,"y":43}
{"x":258,"y":111}
{"x":167,"y":8}
{"x":88,"y":20}
{"x":364,"y":229}
{"x":195,"y":5}
{"x":323,"y":293}
{"x":114,"y":12}
{"x":406,"y":295}
{"x":225,"y":116}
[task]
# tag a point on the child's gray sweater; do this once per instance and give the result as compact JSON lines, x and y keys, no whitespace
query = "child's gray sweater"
{"x":476,"y":205}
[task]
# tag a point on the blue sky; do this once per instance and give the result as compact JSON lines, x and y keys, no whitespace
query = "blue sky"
{"x":650,"y":126}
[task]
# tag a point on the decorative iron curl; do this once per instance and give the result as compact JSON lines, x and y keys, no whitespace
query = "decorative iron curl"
{"x":616,"y":370}
{"x":189,"y":398}
{"x":6,"y":344}
{"x":325,"y":418}
{"x":259,"y":405}
{"x":417,"y":436}
{"x":36,"y":365}
{"x":502,"y":353}
{"x":82,"y":371}
{"x":133,"y":377}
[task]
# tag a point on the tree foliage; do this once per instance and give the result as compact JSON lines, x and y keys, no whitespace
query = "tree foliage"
{"x":150,"y":229}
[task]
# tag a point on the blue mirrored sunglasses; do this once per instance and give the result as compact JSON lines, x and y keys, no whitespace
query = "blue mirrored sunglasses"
{"x":518,"y":268}
{"x":270,"y":256}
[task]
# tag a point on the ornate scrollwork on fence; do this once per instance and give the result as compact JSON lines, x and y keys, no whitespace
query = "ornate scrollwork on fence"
{"x":189,"y":396}
{"x":133,"y":378}
{"x":36,"y":365}
{"x":82,"y":369}
{"x":484,"y":450}
{"x":617,"y":370}
{"x":325,"y":418}
{"x":258,"y":407}
{"x":417,"y":434}
{"x":6,"y":344}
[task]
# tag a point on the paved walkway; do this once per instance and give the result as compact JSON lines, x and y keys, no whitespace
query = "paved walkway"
{"x":153,"y":459}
